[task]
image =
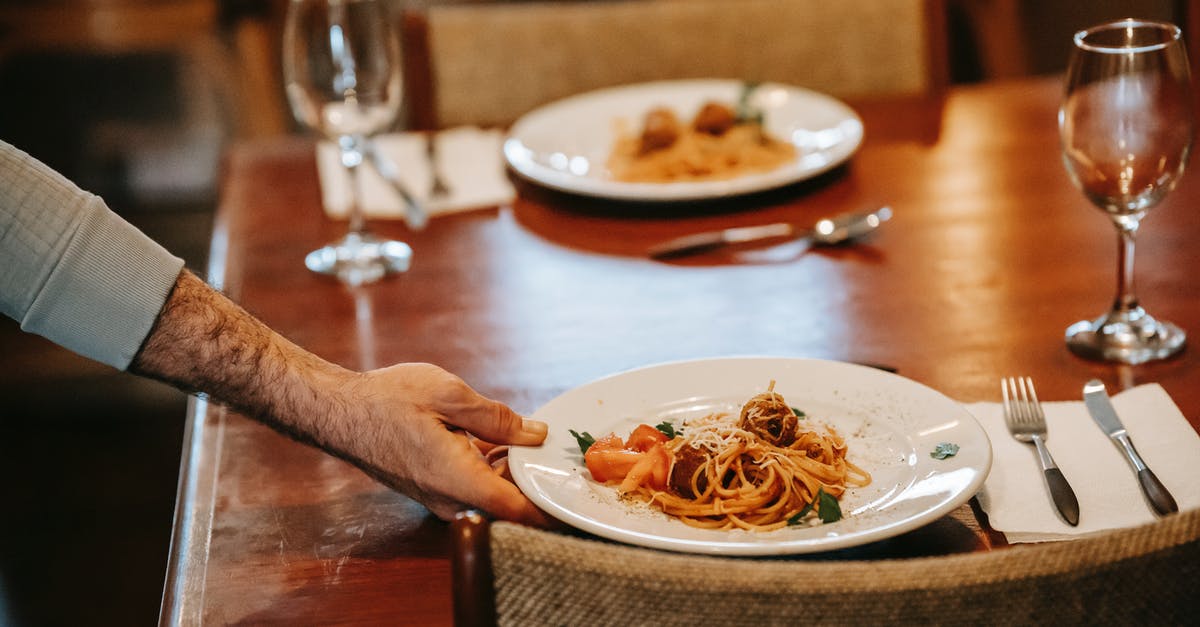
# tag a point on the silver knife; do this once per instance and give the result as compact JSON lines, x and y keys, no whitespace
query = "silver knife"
{"x":828,"y":231}
{"x":414,"y":213}
{"x":1102,"y":411}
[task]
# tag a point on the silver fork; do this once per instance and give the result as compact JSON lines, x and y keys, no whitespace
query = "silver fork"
{"x":439,"y":189}
{"x":1027,"y":422}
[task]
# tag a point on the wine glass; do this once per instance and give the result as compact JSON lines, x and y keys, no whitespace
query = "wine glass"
{"x":341,"y":69}
{"x":1126,"y":130}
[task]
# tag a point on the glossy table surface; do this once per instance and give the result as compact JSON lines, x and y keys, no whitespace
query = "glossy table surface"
{"x":990,"y":255}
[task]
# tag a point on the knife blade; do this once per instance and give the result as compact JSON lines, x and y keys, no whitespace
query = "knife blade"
{"x":414,"y":214}
{"x":827,"y":231}
{"x":1095,"y":397}
{"x":699,"y":242}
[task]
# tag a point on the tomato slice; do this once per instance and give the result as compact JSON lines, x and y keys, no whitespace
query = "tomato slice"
{"x":640,"y":460}
{"x":644,"y":437}
{"x":652,"y":468}
{"x":608,"y":459}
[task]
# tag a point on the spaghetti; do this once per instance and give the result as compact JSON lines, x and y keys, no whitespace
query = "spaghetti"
{"x":716,"y":145}
{"x":758,"y":471}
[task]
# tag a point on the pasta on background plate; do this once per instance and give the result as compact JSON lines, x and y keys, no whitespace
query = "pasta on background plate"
{"x":719,"y":143}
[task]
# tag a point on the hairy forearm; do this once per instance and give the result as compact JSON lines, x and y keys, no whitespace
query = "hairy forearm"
{"x":410,"y":425}
{"x":202,"y":341}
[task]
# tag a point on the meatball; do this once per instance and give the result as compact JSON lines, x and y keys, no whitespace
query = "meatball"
{"x":687,"y":461}
{"x":714,"y":118}
{"x":660,"y":130}
{"x":769,"y":417}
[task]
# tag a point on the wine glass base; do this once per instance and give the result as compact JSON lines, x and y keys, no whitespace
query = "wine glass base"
{"x":1126,"y":339}
{"x":360,"y":258}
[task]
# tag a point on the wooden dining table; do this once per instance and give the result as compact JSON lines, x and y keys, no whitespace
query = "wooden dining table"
{"x":991,"y":253}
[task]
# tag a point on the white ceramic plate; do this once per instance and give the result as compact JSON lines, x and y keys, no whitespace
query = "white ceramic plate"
{"x":891,"y":425}
{"x":565,"y":144}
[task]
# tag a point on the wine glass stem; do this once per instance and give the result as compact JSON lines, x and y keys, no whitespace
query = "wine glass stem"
{"x":1126,"y":300}
{"x":351,"y":158}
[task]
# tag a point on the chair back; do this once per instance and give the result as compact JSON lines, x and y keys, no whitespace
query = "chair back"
{"x":490,"y":63}
{"x":1145,"y":575}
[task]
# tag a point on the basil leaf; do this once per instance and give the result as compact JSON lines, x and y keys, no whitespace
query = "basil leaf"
{"x":666,"y":428}
{"x":584,"y":439}
{"x":799,"y":412}
{"x":944,"y":450}
{"x":828,"y":509}
{"x":745,"y":113}
{"x":795,"y":520}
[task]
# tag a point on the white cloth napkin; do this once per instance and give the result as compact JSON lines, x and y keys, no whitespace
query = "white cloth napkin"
{"x":469,"y":159}
{"x":1016,"y":499}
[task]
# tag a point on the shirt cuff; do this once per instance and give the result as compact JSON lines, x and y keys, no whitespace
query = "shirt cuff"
{"x":103,"y":297}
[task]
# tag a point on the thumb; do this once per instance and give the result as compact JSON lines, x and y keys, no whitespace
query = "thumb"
{"x":497,"y":423}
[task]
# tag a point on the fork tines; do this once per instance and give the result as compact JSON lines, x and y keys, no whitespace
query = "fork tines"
{"x":1027,"y":422}
{"x":1020,"y":401}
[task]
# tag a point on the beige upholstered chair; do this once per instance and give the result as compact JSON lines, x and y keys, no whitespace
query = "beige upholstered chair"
{"x":489,"y":63}
{"x":514,"y":575}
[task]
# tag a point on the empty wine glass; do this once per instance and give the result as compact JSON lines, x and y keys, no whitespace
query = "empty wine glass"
{"x":342,"y":74}
{"x":1126,"y":130}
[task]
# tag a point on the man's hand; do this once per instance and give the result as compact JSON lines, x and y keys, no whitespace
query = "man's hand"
{"x":409,"y":426}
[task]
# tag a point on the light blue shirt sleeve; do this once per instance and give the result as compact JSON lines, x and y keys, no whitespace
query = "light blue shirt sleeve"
{"x":72,"y":270}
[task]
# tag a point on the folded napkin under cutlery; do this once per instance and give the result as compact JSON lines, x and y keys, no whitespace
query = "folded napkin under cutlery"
{"x":1109,"y":494}
{"x":470,"y":161}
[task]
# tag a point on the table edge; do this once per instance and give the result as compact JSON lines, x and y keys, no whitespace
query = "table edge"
{"x":187,"y":559}
{"x":191,"y":532}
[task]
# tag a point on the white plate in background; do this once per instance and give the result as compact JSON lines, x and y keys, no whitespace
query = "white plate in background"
{"x":566,"y":144}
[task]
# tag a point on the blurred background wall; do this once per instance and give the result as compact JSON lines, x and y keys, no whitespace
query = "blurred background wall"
{"x":139,"y":112}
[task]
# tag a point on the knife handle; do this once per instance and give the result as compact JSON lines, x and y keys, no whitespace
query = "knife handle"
{"x":1160,"y":499}
{"x":1157,"y":493}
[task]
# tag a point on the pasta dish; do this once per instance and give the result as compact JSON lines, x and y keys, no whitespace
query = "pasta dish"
{"x":761,"y":470}
{"x":719,"y":143}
